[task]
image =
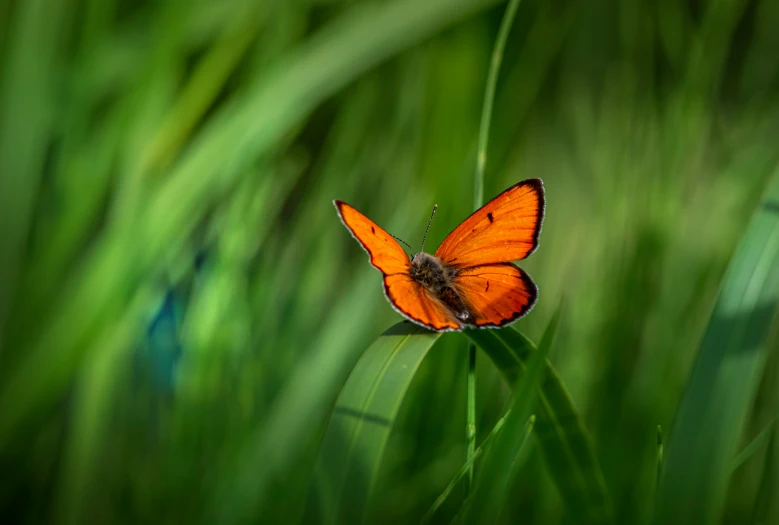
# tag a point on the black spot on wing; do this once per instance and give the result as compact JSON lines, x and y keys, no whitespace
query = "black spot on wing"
{"x":373,"y":230}
{"x":488,"y":287}
{"x":489,"y":216}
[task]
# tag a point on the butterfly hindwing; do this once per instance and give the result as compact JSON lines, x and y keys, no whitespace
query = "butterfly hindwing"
{"x":505,"y":229}
{"x":496,"y":294}
{"x":412,"y":300}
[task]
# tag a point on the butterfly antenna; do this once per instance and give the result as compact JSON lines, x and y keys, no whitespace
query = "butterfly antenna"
{"x":428,"y":227}
{"x":404,"y":242}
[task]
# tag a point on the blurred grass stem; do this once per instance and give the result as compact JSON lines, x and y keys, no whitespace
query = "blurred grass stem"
{"x":478,"y":199}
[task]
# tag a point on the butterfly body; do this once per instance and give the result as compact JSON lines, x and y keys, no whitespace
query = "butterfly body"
{"x":469,"y":281}
{"x":438,"y":278}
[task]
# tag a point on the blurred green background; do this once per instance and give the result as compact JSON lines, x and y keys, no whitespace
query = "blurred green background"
{"x":180,"y":305}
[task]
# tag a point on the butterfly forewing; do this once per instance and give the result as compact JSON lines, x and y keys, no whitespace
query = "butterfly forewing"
{"x":505,"y":229}
{"x":385,"y":252}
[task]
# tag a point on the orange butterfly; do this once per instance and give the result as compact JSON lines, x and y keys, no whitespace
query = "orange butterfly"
{"x":469,"y":281}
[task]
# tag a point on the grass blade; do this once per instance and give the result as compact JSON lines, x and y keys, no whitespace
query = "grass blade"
{"x":489,"y":97}
{"x":659,"y":455}
{"x":753,"y":446}
{"x":478,"y":201}
{"x":767,"y":505}
{"x":493,"y":481}
{"x":467,"y":467}
{"x":560,"y":432}
{"x":95,"y":393}
{"x":724,"y":378}
{"x":363,"y":418}
{"x":27,"y":97}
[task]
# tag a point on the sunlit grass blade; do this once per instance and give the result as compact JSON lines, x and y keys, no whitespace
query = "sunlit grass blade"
{"x":559,"y":430}
{"x":724,"y":378}
{"x":495,"y":476}
{"x":363,"y":417}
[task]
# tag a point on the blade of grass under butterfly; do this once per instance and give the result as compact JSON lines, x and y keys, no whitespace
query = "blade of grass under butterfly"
{"x":363,"y":417}
{"x":559,"y":430}
{"x":494,"y":478}
{"x":566,"y":445}
{"x":724,"y":377}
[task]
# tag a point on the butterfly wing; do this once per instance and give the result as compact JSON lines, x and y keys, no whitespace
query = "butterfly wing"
{"x":406,"y":295}
{"x":504,"y":229}
{"x":496,"y":294}
{"x":412,"y":300}
{"x":385,"y":252}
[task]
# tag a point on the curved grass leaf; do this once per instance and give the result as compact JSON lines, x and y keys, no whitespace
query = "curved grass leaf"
{"x":494,"y":479}
{"x":362,"y":421}
{"x":724,"y":378}
{"x":363,"y":418}
{"x":560,"y":432}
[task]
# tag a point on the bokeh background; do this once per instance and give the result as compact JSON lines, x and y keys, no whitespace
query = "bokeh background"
{"x":180,"y":305}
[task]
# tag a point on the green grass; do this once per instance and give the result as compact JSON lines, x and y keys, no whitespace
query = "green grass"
{"x":353,"y":446}
{"x":492,"y":489}
{"x":725,"y":377}
{"x":137,"y":386}
{"x":478,"y":202}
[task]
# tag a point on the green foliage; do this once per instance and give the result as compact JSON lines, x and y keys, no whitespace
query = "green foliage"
{"x":492,"y":489}
{"x":181,"y":310}
{"x":561,"y":435}
{"x":353,"y":446}
{"x":725,"y":376}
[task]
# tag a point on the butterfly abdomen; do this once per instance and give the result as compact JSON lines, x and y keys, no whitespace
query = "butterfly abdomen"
{"x":437,"y":278}
{"x":453,"y":301}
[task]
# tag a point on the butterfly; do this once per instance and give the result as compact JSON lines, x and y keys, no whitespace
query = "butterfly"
{"x":469,"y":281}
